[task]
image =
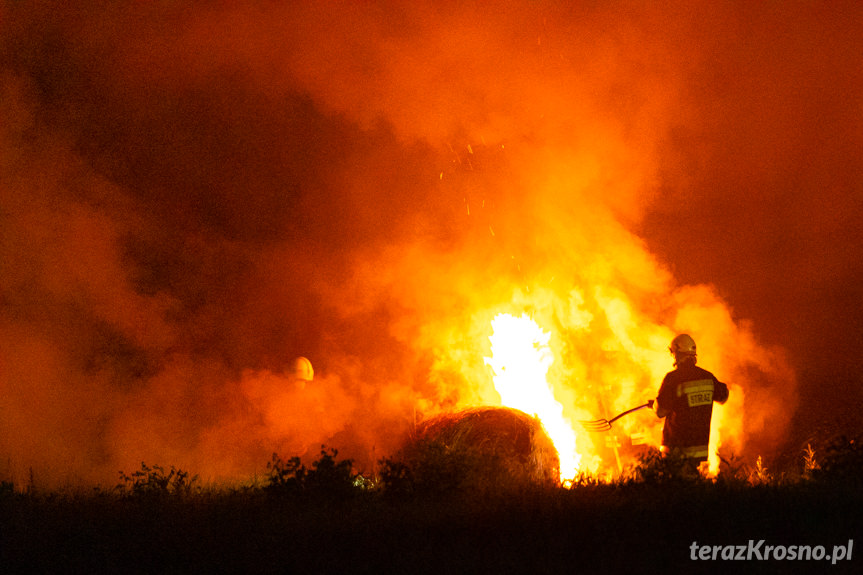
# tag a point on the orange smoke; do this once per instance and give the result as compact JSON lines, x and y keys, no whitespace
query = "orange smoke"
{"x":192,"y":197}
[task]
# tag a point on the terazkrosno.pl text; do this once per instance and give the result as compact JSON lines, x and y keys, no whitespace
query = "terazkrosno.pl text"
{"x":759,"y":550}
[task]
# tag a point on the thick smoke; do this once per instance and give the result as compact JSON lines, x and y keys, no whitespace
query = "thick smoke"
{"x":190,"y":198}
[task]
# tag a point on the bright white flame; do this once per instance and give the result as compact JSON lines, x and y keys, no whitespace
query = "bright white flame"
{"x":520,"y":361}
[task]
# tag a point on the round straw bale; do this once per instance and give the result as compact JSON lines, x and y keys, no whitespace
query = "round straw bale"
{"x":484,"y":446}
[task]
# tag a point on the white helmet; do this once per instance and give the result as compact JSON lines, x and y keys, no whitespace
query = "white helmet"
{"x":302,"y":369}
{"x":682,"y":345}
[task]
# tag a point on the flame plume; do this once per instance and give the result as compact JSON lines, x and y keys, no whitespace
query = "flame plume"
{"x":520,"y":360}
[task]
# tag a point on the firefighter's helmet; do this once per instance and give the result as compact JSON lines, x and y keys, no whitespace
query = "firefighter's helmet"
{"x":302,"y":369}
{"x":682,"y":345}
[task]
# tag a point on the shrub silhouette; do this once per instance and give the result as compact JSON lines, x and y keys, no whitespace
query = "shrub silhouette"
{"x":433,"y":468}
{"x":842,"y":461}
{"x":396,"y":477}
{"x":656,"y":468}
{"x":154,"y":482}
{"x":326,"y":477}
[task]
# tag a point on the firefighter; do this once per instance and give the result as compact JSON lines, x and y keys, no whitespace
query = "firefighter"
{"x":686,"y":400}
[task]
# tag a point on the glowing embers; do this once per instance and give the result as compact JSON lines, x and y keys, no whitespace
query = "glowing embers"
{"x":520,"y":361}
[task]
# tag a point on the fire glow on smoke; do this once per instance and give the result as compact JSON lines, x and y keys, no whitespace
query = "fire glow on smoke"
{"x":520,"y":360}
{"x":184,"y":211}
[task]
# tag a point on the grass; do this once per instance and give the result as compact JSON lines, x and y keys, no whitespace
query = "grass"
{"x":325,"y":518}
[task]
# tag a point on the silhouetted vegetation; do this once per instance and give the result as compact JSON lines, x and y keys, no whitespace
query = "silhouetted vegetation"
{"x":842,"y":462}
{"x":327,"y":477}
{"x":439,"y":510}
{"x":154,"y":482}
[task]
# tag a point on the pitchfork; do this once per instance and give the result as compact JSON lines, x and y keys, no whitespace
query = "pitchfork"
{"x":599,"y":425}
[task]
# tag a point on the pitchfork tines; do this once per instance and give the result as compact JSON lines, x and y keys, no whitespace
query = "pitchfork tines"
{"x":600,"y":425}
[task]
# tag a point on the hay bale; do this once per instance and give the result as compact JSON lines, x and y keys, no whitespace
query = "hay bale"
{"x":487,"y":448}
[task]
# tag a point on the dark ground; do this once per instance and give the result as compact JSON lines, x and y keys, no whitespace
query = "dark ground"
{"x":589,"y":529}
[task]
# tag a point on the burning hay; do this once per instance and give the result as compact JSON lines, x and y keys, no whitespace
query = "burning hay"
{"x":482,"y":448}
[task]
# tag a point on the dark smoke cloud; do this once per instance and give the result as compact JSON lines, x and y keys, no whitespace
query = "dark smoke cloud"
{"x":191,"y":197}
{"x":761,"y":187}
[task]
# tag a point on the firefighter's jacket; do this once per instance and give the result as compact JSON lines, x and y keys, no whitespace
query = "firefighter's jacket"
{"x":686,"y":401}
